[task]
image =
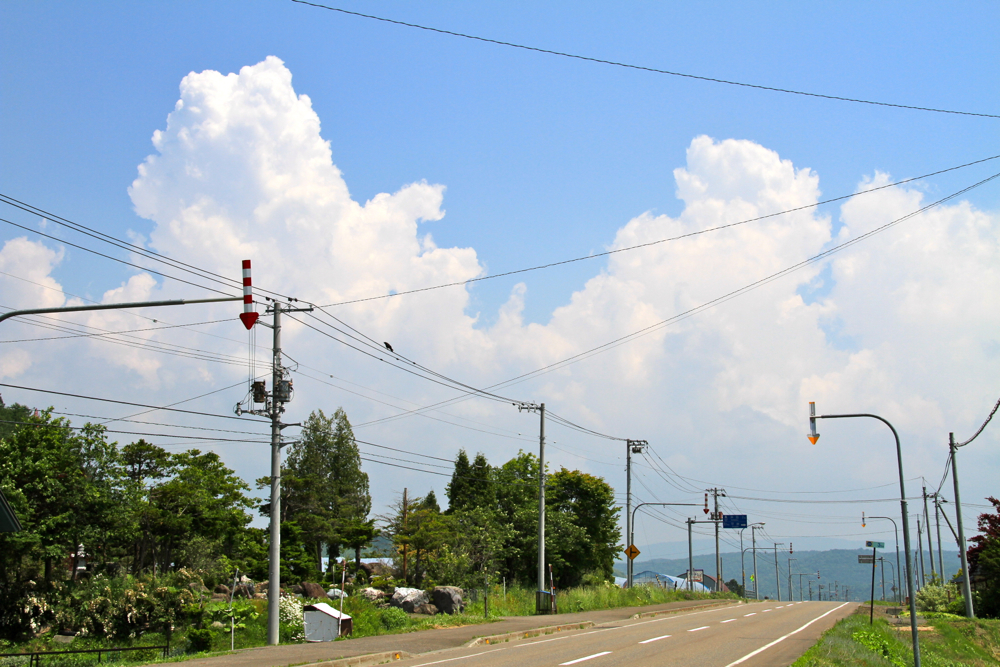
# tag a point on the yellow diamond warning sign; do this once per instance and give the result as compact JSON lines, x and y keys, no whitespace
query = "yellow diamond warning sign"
{"x":631,"y":552}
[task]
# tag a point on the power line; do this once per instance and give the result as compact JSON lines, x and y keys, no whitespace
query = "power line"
{"x":733,"y":294}
{"x":652,"y":243}
{"x":148,"y":435}
{"x":115,"y":259}
{"x":642,"y":68}
{"x":137,"y":405}
{"x":130,"y":247}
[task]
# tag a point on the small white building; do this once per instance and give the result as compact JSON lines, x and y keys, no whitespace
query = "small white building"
{"x":324,"y":623}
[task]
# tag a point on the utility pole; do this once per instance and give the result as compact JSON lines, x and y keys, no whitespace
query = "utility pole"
{"x":274,"y":406}
{"x":756,"y":581}
{"x":777,"y":576}
{"x":631,"y":447}
{"x":791,"y":591}
{"x":930,"y":542}
{"x":966,"y":586}
{"x":881,"y":564}
{"x":920,"y":548}
{"x":273,"y":401}
{"x":937,"y":523}
{"x":540,"y":607}
{"x":717,"y":519}
{"x":810,"y":590}
{"x":406,"y":507}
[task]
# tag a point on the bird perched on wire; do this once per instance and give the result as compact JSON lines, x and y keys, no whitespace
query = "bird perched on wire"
{"x":388,"y":347}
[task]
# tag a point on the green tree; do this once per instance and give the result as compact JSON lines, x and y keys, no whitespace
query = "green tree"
{"x":589,"y":504}
{"x":984,"y":562}
{"x":471,"y":484}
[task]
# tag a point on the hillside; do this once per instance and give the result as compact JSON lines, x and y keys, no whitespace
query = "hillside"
{"x":835,"y":565}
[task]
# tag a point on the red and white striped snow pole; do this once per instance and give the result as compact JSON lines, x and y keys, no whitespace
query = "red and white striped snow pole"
{"x":248,"y":316}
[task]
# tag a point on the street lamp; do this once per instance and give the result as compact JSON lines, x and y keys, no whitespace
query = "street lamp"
{"x":813,"y":438}
{"x":898,"y":587}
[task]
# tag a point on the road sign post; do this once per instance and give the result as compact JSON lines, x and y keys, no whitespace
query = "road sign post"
{"x":874,"y":547}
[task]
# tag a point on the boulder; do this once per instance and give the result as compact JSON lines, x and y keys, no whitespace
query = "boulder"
{"x":373,"y":595}
{"x":222,"y":588}
{"x":376,"y":570}
{"x":408,"y":599}
{"x":448,"y":599}
{"x":244,"y":591}
{"x":297,"y":589}
{"x":428,"y":609}
{"x":335,"y":594}
{"x":311,"y":590}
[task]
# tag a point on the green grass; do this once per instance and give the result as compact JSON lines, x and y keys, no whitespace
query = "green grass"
{"x":950,"y":643}
{"x":369,"y":620}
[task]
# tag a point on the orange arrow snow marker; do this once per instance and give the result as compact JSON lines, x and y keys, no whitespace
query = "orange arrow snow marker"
{"x":813,"y":438}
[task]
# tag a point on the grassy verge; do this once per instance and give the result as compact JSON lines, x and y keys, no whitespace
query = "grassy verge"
{"x":947,"y":643}
{"x":369,"y":620}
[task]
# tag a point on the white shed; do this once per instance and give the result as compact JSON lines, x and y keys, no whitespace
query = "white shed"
{"x":323,"y":622}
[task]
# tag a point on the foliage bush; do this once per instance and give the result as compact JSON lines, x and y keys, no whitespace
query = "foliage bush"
{"x":394,"y":618}
{"x":935,"y":597}
{"x":199,"y":640}
{"x":290,"y":619}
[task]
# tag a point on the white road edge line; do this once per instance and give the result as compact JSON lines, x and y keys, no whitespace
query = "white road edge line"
{"x":781,"y":639}
{"x":704,"y":627}
{"x":596,"y":655}
{"x":654,"y":639}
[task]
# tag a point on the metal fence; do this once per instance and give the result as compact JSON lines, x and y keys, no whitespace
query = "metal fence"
{"x":35,"y":657}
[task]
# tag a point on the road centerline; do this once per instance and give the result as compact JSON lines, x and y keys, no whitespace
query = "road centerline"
{"x":589,"y":657}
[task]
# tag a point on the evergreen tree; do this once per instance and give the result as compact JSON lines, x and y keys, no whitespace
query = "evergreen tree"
{"x":459,"y":489}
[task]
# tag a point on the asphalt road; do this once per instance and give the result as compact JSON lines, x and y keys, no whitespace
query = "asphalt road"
{"x":751,"y":635}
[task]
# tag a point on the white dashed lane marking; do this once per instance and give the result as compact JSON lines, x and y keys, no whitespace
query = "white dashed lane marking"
{"x":704,"y":627}
{"x":589,"y":657}
{"x":654,"y":639}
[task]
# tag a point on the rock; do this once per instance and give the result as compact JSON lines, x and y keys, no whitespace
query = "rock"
{"x":408,"y":599}
{"x":220,"y":597}
{"x":311,"y":590}
{"x":222,"y":588}
{"x":244,"y":591}
{"x":373,"y":595}
{"x":217,"y":625}
{"x":336,"y":594}
{"x":297,"y":589}
{"x":428,"y":609}
{"x":376,"y":570}
{"x":63,"y":639}
{"x":448,"y":599}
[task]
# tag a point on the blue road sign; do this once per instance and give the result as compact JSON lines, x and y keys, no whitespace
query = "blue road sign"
{"x":875,"y":545}
{"x":734,"y":520}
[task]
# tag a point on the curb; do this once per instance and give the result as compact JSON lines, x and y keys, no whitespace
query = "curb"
{"x":650,"y":614}
{"x":525,"y":634}
{"x":362,"y":660}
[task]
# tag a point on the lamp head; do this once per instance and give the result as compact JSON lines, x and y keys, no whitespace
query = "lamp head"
{"x":813,"y":435}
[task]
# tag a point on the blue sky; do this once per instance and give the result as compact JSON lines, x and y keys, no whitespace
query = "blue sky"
{"x":542,"y":158}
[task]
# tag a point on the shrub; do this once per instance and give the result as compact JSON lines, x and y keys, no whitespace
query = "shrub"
{"x":394,"y":618}
{"x":199,"y":640}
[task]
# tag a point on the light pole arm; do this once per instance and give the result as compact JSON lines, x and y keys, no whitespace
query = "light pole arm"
{"x":114,"y":306}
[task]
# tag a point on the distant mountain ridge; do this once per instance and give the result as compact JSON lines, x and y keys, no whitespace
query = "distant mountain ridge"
{"x":834,"y":565}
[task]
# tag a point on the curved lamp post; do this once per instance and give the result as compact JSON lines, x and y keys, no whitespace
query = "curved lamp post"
{"x":814,"y":438}
{"x":896,"y":528}
{"x":743,"y":567}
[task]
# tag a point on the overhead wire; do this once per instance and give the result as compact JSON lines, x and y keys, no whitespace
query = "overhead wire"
{"x":652,"y":70}
{"x":647,"y":244}
{"x":138,"y":405}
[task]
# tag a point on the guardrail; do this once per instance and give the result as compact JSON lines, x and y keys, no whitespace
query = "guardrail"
{"x":35,"y":657}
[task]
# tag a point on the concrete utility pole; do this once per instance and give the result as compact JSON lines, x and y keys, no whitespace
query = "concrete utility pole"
{"x":274,"y":406}
{"x":690,"y":575}
{"x":542,"y":591}
{"x":966,"y":584}
{"x":631,"y":447}
{"x":810,"y":590}
{"x":920,"y":549}
{"x":930,"y":542}
{"x":937,"y":524}
{"x":406,"y":508}
{"x":777,"y":575}
{"x":756,"y":581}
{"x":791,"y":591}
{"x":717,"y":519}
